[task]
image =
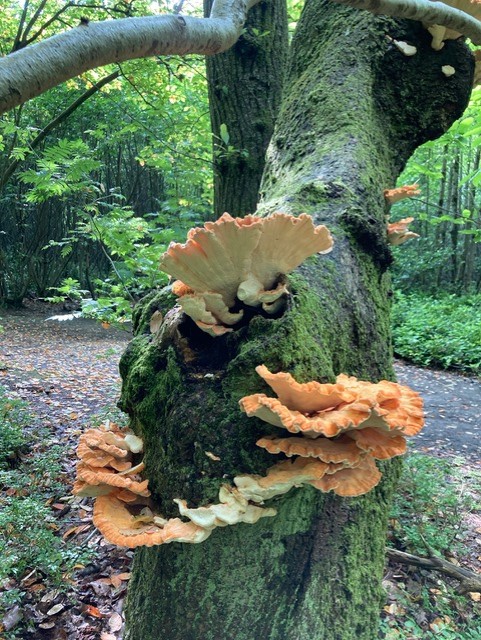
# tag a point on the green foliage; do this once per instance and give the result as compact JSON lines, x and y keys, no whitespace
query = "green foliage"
{"x":441,"y":332}
{"x":28,"y":484}
{"x":62,"y":169}
{"x":427,"y":508}
{"x":23,"y":520}
{"x":13,"y":417}
{"x":69,"y":289}
{"x":435,"y":495}
{"x":447,"y":256}
{"x":449,"y":612}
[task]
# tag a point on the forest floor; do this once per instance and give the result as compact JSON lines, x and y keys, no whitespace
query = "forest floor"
{"x":67,"y":373}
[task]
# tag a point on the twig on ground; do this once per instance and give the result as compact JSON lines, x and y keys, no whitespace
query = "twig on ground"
{"x":469,"y":581}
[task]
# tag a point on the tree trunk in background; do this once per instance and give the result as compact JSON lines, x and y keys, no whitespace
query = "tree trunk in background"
{"x":245,"y":85}
{"x":454,"y":207}
{"x":345,"y":130}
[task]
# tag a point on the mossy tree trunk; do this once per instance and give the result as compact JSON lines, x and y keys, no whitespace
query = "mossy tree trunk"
{"x":353,"y":111}
{"x":245,"y":85}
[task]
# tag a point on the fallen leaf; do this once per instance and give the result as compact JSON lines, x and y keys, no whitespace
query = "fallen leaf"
{"x":115,"y":622}
{"x":75,"y":530}
{"x":90,"y":610}
{"x":475,"y":596}
{"x":107,"y":636}
{"x":57,"y":608}
{"x":117,"y":579}
{"x":47,"y":625}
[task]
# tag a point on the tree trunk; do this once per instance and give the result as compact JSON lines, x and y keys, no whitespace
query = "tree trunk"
{"x":245,"y":85}
{"x":313,"y":572}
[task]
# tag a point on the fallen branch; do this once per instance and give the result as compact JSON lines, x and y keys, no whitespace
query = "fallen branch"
{"x":469,"y":581}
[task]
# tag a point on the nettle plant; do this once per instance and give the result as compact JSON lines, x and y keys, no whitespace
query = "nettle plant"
{"x":227,"y":272}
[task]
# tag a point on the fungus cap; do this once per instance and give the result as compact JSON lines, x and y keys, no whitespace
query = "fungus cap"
{"x":400,"y":193}
{"x":343,"y":450}
{"x":240,"y":259}
{"x":398,"y":232}
{"x":232,"y":509}
{"x":120,"y":526}
{"x":350,"y":482}
{"x":280,"y":479}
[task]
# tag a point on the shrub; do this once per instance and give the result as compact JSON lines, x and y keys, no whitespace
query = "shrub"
{"x":439,"y":332}
{"x":13,"y":417}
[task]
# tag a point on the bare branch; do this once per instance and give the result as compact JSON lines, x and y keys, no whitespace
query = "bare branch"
{"x":33,"y":70}
{"x":425,"y":11}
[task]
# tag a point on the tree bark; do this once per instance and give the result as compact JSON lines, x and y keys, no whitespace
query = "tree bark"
{"x":245,"y":85}
{"x":344,"y":132}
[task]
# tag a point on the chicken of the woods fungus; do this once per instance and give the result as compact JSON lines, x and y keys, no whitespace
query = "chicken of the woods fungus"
{"x":398,"y":232}
{"x":123,"y":512}
{"x":240,"y":261}
{"x":400,"y":193}
{"x":339,"y":431}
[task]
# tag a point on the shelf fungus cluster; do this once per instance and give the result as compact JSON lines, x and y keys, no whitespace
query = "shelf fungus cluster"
{"x":240,"y":261}
{"x":123,"y":510}
{"x":400,"y":193}
{"x":398,"y":232}
{"x":339,"y":431}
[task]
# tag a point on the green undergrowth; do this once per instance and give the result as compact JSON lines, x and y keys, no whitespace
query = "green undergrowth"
{"x":436,"y":500}
{"x":31,"y":481}
{"x":442,"y":332}
{"x":433,"y":495}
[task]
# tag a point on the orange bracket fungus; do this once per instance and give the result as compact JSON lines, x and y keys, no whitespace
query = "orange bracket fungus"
{"x":398,"y":232}
{"x":341,"y":429}
{"x":240,"y":261}
{"x":400,"y":193}
{"x":122,"y":510}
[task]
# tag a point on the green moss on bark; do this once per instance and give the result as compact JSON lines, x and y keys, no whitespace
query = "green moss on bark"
{"x":313,"y":572}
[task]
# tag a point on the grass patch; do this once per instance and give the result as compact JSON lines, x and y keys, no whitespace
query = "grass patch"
{"x":440,"y":332}
{"x":432,"y":509}
{"x":31,"y":481}
{"x":427,"y":512}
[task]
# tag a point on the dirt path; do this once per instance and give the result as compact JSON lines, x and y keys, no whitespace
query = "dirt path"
{"x":452,"y":405}
{"x":68,"y":372}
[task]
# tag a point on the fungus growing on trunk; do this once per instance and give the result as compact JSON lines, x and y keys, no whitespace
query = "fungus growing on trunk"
{"x":233,"y":508}
{"x":120,"y":525}
{"x":400,"y":193}
{"x":122,"y":510}
{"x":105,"y":463}
{"x":344,"y":426}
{"x":240,"y":261}
{"x":398,"y":232}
